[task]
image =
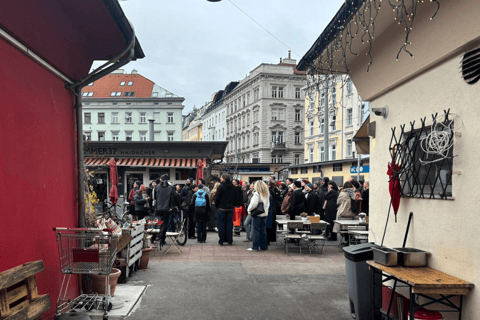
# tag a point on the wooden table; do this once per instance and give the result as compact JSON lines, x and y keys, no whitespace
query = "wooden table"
{"x":304,"y":222}
{"x":423,"y":282}
{"x":359,"y":232}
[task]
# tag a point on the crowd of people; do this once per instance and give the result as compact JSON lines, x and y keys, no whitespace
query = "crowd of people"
{"x":232,"y":206}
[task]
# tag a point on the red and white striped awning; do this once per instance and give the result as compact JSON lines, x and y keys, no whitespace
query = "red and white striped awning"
{"x":147,"y":162}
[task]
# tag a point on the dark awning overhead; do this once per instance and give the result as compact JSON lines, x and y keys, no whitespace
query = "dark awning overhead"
{"x":361,"y":138}
{"x":67,"y":34}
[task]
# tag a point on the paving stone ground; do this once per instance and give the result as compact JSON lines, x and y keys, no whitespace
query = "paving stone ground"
{"x":207,"y":281}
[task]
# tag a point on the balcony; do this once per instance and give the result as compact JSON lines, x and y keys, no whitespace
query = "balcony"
{"x":276,"y":146}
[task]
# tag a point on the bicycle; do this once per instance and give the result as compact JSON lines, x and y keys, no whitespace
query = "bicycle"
{"x":120,"y":219}
{"x":179,"y":224}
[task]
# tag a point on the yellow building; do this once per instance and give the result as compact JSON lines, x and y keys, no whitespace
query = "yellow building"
{"x":335,"y":159}
{"x":193,"y":132}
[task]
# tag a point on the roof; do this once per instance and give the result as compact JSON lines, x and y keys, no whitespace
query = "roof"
{"x":323,"y":163}
{"x":104,"y":87}
{"x":346,"y":11}
{"x":66,"y":33}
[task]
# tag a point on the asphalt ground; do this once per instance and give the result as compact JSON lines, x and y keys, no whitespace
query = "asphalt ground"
{"x":208,"y":281}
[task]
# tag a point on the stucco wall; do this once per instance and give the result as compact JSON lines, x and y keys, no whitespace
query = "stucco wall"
{"x":446,"y":228}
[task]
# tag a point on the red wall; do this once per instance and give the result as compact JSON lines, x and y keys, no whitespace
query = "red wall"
{"x":37,"y":166}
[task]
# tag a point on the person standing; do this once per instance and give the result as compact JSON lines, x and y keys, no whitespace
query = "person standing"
{"x":330,"y":207}
{"x":190,"y":210}
{"x":140,"y":202}
{"x":286,"y":201}
{"x":322,"y":191}
{"x":366,"y":196}
{"x":297,"y":201}
{"x":131,"y":197}
{"x":248,"y":220}
{"x":183,"y":193}
{"x":167,"y":203}
{"x":237,"y":210}
{"x":212,"y":216}
{"x":201,"y":204}
{"x":259,"y":222}
{"x":225,"y":198}
{"x":311,"y":200}
{"x":205,"y":187}
{"x":290,"y":182}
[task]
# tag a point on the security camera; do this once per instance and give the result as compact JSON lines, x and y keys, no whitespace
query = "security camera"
{"x":381,"y":112}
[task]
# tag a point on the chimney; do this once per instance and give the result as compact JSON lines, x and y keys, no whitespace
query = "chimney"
{"x":150,"y":129}
{"x":280,"y":60}
{"x":289,"y":55}
{"x":134,"y":71}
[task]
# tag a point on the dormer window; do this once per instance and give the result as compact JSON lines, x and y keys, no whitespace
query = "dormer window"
{"x":122,"y":83}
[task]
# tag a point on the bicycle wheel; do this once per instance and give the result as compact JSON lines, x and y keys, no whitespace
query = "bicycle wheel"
{"x":181,"y":227}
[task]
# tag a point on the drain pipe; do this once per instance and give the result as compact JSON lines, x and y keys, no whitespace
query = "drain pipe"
{"x":151,"y":129}
{"x":77,"y":87}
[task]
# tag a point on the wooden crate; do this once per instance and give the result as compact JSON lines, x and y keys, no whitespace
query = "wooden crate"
{"x":19,"y":298}
{"x":129,"y":256}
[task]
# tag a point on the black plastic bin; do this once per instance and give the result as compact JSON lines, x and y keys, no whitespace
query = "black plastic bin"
{"x":359,"y":280}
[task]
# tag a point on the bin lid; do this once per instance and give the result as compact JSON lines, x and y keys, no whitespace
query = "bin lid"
{"x":360,"y":252}
{"x":424,"y":314}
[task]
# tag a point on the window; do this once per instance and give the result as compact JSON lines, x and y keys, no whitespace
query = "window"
{"x":310,"y":155}
{"x":333,"y":124}
{"x":304,"y":170}
{"x":281,"y":114}
{"x":297,"y":137}
{"x":337,"y":167}
{"x":130,"y":83}
{"x":248,"y":119}
{"x":101,"y":118}
{"x":334,"y":96}
{"x":349,"y":147}
{"x":322,"y":99}
{"x":294,"y":170}
{"x":170,"y":117}
{"x":297,"y":93}
{"x":256,"y":92}
{"x":274,"y":114}
{"x":143,"y":117}
{"x":116,"y":94}
{"x":297,"y":115}
{"x":231,"y":108}
{"x":243,"y":121}
{"x":84,"y":94}
{"x":170,"y":136}
{"x":143,"y":135}
{"x":333,"y":152}
{"x":297,"y":159}
{"x":274,"y":92}
{"x":90,"y":84}
{"x":101,"y":136}
{"x":114,"y":135}
{"x":87,"y":118}
{"x":280,"y":92}
{"x":88,"y":136}
{"x":277,"y":136}
{"x":243,"y":142}
{"x":349,"y":86}
{"x":129,"y":135}
{"x":311,"y":129}
{"x":244,"y":101}
{"x":129,"y":94}
{"x":236,"y":106}
{"x":248,"y":98}
{"x":128,"y":117}
{"x":280,"y":158}
{"x":349,"y":117}
{"x":322,"y":126}
{"x":322,"y":154}
{"x":316,"y":169}
{"x":122,"y":83}
{"x":274,"y":159}
{"x":90,"y":94}
{"x":114,"y":117}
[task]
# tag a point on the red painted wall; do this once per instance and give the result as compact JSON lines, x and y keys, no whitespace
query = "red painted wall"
{"x":37,"y":166}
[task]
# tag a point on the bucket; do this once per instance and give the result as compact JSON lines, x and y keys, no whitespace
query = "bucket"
{"x":424,"y":314}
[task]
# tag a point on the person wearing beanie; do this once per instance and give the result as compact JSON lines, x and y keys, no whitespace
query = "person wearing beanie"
{"x":322,"y":191}
{"x":183,"y":193}
{"x":297,"y":201}
{"x":201,"y":204}
{"x":140,"y":201}
{"x":205,"y":188}
{"x":312,"y":203}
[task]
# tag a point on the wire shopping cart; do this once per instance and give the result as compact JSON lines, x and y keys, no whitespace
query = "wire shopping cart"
{"x":89,"y":252}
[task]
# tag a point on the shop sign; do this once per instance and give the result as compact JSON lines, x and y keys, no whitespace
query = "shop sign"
{"x":363,"y":169}
{"x":110,"y":151}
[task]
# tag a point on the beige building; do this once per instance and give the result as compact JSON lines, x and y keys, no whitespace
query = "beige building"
{"x":440,"y":194}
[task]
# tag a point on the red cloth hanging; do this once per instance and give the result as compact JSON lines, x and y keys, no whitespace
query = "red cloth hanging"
{"x":394,"y":186}
{"x":199,"y":170}
{"x":113,"y":181}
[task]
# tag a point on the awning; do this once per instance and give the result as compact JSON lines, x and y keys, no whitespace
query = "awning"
{"x":147,"y":162}
{"x":361,"y":138}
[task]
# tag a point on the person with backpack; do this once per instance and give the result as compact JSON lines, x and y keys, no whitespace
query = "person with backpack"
{"x":201,"y":204}
{"x":167,"y":202}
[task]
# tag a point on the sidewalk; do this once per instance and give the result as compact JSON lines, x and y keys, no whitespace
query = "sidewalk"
{"x":208,"y":281}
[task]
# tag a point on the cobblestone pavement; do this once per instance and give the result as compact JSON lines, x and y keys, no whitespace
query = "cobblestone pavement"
{"x":207,"y":281}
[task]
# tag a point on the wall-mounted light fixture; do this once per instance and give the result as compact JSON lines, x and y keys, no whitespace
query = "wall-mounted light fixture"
{"x":381,"y":112}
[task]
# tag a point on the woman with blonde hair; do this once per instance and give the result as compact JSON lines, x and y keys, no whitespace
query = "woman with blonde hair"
{"x":259,"y":222}
{"x":212,"y":214}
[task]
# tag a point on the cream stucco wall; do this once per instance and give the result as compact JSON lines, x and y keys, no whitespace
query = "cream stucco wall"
{"x":448,"y":229}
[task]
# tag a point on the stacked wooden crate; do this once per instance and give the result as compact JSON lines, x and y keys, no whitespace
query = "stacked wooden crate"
{"x":128,"y":258}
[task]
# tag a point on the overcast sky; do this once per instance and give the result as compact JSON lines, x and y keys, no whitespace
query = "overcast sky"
{"x":194,"y":48}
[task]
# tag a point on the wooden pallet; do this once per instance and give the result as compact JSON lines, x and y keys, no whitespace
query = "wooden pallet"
{"x":129,"y":256}
{"x":19,"y":298}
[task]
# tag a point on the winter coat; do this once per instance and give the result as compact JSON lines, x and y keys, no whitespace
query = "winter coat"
{"x":331,"y":207}
{"x":166,"y":197}
{"x":322,"y":191}
{"x":188,"y":200}
{"x":256,"y":199}
{"x":345,"y":204}
{"x":131,"y":195}
{"x":200,"y":213}
{"x":297,"y":203}
{"x":139,"y":202}
{"x":365,"y":199}
{"x":225,"y":197}
{"x":286,"y":201}
{"x":312,"y":203}
{"x":238,"y":197}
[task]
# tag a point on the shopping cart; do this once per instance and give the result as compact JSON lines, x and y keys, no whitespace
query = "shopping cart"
{"x":89,"y":252}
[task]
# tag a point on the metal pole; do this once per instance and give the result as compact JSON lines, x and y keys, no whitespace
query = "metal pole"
{"x":80,"y":164}
{"x":325,"y":117}
{"x":236,"y":147}
{"x":358,"y":167}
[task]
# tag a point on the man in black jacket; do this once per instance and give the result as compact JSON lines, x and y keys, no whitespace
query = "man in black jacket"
{"x":297,"y":201}
{"x":322,"y":191}
{"x":225,"y":198}
{"x":167,"y":202}
{"x":311,"y":201}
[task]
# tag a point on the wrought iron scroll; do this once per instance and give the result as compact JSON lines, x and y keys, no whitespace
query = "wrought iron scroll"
{"x":423,"y":171}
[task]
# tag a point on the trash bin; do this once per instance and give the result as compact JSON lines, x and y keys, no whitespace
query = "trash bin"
{"x":359,"y":281}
